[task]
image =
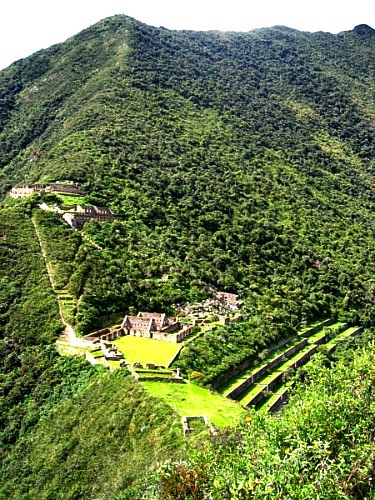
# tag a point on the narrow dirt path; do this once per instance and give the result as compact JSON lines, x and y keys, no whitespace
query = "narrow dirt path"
{"x":68,"y":333}
{"x":87,"y":238}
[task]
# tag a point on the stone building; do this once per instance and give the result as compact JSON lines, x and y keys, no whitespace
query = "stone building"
{"x":155,"y":326}
{"x":73,"y":189}
{"x":149,"y":325}
{"x":77,"y":215}
{"x":145,"y":324}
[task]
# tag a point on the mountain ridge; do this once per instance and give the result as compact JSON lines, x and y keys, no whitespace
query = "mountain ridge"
{"x":240,"y":162}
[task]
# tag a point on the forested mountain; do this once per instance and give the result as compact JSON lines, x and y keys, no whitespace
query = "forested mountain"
{"x":241,"y":161}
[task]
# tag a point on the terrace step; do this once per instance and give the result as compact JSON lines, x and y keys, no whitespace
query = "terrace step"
{"x":252,"y":386}
{"x":277,"y":399}
{"x":244,"y":379}
{"x":316,"y":327}
{"x":235,"y":391}
{"x":349,"y":332}
{"x":268,"y":382}
{"x":281,"y":395}
{"x":321,"y":336}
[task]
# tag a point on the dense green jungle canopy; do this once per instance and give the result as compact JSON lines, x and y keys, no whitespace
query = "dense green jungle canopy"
{"x":242,"y":161}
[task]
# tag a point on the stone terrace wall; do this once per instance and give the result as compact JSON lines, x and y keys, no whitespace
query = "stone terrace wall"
{"x":317,"y":328}
{"x":283,"y":397}
{"x":235,"y":370}
{"x":256,"y":375}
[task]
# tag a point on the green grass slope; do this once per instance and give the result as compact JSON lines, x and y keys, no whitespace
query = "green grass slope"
{"x":68,"y":430}
{"x":102,"y":440}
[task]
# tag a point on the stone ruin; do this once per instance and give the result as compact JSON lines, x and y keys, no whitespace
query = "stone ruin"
{"x":149,"y":325}
{"x":224,"y":305}
{"x":155,"y":326}
{"x":71,"y":188}
{"x":77,"y":215}
{"x":110,"y":351}
{"x":188,"y":430}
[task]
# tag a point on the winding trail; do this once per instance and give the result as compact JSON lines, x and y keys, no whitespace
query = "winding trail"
{"x":68,"y":333}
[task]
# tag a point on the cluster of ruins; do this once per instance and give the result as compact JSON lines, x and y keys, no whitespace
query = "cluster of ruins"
{"x":77,"y":215}
{"x":224,"y":305}
{"x":155,"y":326}
{"x":74,"y":215}
{"x":71,"y":188}
{"x":149,"y":325}
{"x":110,"y":351}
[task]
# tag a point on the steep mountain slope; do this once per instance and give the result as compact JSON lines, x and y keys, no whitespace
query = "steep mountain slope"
{"x":242,"y":161}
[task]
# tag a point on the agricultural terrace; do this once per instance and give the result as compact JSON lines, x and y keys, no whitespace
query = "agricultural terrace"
{"x":66,"y":199}
{"x":145,"y":350}
{"x":190,"y":399}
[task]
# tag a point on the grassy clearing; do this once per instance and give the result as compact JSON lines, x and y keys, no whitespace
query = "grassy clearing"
{"x":146,"y":350}
{"x":72,"y":200}
{"x":193,"y":400}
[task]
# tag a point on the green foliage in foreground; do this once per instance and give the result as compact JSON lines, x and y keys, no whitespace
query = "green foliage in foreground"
{"x":190,"y":399}
{"x":97,"y":440}
{"x":320,"y":447}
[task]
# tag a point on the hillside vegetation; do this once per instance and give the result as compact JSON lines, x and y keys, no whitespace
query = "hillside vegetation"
{"x":320,"y":447}
{"x":240,"y":161}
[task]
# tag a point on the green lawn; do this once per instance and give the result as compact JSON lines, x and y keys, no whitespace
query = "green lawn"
{"x":146,"y":350}
{"x":311,"y":325}
{"x":67,"y":199}
{"x":191,"y":400}
{"x":340,"y":337}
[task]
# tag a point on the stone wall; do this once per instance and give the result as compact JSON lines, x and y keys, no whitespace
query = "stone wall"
{"x":76,"y":221}
{"x":105,"y":334}
{"x":23,"y":191}
{"x":112,"y":335}
{"x":265,"y":389}
{"x":97,"y":334}
{"x":283,"y":397}
{"x":187,"y":430}
{"x":235,"y":370}
{"x":111,"y":317}
{"x":171,"y":328}
{"x":317,"y":328}
{"x":305,"y":357}
{"x":358,"y":331}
